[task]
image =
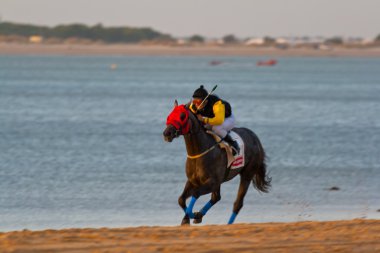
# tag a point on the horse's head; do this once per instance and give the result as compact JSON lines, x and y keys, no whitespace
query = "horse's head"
{"x":177,"y":122}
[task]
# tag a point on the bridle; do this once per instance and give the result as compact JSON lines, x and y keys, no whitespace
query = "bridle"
{"x":196,"y":133}
{"x":179,"y":131}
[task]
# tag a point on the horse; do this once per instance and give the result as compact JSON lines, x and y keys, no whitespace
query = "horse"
{"x":206,"y":164}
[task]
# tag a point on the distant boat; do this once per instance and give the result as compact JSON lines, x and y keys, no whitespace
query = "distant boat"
{"x":215,"y":63}
{"x":270,"y":62}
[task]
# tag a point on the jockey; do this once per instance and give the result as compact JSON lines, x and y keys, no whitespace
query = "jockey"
{"x":216,"y":114}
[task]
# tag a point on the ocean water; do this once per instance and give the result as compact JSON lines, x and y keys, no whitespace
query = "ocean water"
{"x":81,"y":143}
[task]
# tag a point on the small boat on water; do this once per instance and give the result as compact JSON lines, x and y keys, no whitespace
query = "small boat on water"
{"x":270,"y":62}
{"x":215,"y":63}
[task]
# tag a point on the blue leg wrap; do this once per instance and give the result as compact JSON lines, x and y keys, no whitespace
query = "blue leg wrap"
{"x":232,"y":218}
{"x":206,"y":207}
{"x":189,"y":209}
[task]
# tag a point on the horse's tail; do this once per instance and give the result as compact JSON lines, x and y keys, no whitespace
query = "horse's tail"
{"x":261,"y":180}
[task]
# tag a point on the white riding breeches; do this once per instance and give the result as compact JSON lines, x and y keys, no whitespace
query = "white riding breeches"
{"x":224,"y":128}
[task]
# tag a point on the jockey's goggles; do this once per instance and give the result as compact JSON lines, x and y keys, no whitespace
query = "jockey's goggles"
{"x":197,"y":101}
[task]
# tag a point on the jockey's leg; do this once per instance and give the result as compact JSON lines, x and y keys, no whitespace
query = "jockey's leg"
{"x":229,"y":123}
{"x":220,"y":131}
{"x":223,"y":129}
{"x":233,"y":144}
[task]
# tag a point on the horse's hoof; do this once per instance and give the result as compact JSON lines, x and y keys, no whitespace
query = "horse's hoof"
{"x":185,"y":221}
{"x":197,"y":218}
{"x":197,"y":221}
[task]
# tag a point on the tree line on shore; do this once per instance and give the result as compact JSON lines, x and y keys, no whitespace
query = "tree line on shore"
{"x":94,"y":33}
{"x":123,"y":34}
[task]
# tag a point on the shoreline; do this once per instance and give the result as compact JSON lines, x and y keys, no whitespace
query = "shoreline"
{"x":339,"y":236}
{"x":156,"y":50}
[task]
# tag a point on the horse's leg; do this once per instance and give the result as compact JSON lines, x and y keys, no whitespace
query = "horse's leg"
{"x":215,"y":197}
{"x":188,"y":191}
{"x":182,"y":202}
{"x":243,"y":187}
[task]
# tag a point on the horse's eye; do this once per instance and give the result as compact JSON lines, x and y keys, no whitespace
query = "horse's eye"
{"x":182,"y":116}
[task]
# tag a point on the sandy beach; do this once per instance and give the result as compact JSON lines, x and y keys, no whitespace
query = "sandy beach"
{"x":151,"y":50}
{"x":332,"y":236}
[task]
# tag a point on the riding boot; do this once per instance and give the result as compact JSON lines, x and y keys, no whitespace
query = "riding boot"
{"x":234,"y":145}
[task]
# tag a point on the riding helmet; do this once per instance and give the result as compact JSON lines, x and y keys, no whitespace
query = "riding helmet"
{"x":201,"y":93}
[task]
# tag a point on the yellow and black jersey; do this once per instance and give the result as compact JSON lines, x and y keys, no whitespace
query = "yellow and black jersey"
{"x":215,"y":111}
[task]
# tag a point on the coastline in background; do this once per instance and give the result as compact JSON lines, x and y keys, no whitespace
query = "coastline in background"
{"x":151,"y":50}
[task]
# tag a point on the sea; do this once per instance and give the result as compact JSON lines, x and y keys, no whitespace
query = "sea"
{"x":81,"y":140}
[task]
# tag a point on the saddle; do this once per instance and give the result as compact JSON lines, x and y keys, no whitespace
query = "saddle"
{"x":233,"y":162}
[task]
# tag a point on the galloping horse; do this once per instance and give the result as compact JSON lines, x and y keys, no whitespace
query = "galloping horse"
{"x":206,"y":164}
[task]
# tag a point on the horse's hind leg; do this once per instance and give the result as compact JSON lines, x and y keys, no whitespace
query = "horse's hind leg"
{"x":243,"y":187}
{"x":215,"y":197}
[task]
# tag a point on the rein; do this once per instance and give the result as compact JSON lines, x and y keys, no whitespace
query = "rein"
{"x":204,"y":152}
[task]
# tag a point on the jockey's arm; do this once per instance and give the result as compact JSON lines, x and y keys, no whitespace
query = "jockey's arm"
{"x":219,"y":112}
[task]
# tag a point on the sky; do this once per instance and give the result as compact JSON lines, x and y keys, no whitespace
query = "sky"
{"x":209,"y":18}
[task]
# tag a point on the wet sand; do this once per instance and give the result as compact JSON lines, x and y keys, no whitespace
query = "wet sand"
{"x":151,"y":50}
{"x":332,"y":236}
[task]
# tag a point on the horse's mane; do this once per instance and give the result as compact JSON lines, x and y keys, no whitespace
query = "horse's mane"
{"x":200,"y":127}
{"x":193,"y":116}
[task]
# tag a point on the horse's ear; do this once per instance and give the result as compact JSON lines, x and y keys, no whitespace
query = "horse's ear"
{"x":182,"y":116}
{"x":175,"y":103}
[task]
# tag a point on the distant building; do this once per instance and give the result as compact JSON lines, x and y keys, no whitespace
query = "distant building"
{"x":220,"y":41}
{"x":214,"y":42}
{"x":367,"y":41}
{"x":35,"y":39}
{"x":324,"y":47}
{"x":255,"y":42}
{"x":282,"y":41}
{"x":306,"y":41}
{"x":181,"y":42}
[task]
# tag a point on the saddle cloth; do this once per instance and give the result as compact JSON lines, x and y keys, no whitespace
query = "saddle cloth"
{"x":233,"y":162}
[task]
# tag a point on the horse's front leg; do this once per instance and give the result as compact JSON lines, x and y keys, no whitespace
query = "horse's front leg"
{"x":215,"y":197}
{"x":187,"y":191}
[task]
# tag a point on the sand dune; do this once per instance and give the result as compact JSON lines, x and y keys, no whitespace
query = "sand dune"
{"x":332,"y":236}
